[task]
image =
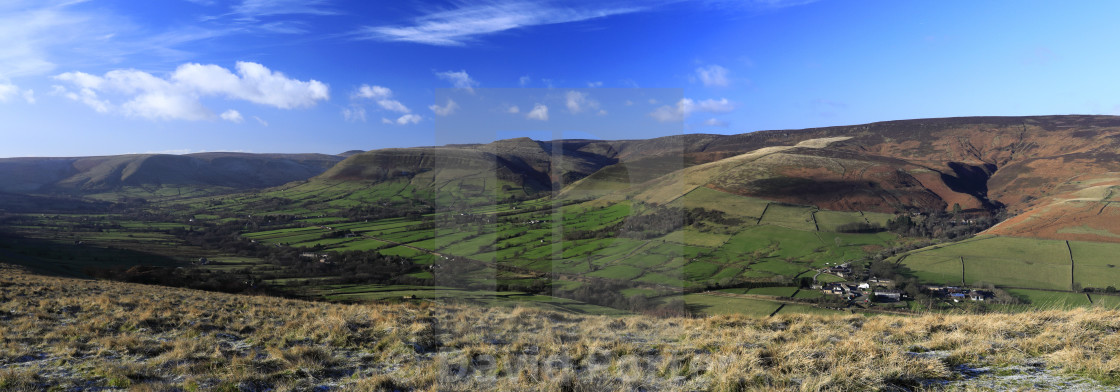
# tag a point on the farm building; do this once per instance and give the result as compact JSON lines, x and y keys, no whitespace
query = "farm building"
{"x":888,"y":296}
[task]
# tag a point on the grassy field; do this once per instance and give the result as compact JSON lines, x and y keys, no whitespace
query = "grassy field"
{"x":713,"y":305}
{"x":748,"y":208}
{"x":67,"y":334}
{"x":793,"y":217}
{"x":1052,"y":300}
{"x":1019,"y":262}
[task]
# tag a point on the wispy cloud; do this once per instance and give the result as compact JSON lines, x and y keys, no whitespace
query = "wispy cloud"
{"x":354,"y":113}
{"x":713,"y":76}
{"x":714,"y":122}
{"x":257,"y":8}
{"x":33,"y":30}
{"x":459,"y":79}
{"x":686,"y":106}
{"x":757,"y":5}
{"x":577,"y":102}
{"x":403,"y":120}
{"x":41,"y":36}
{"x":445,"y":110}
{"x":462,"y":25}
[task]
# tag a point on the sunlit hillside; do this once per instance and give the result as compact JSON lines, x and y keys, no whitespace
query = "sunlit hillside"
{"x":67,"y":334}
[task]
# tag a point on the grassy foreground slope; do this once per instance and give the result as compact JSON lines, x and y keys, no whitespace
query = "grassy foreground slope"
{"x":69,"y":334}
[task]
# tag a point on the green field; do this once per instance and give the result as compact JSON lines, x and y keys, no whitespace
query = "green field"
{"x":1018,"y":262}
{"x":748,"y":208}
{"x":1051,"y":300}
{"x":710,"y":304}
{"x":793,"y":217}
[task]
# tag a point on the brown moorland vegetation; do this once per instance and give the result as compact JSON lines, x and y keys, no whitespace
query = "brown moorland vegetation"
{"x":68,"y":334}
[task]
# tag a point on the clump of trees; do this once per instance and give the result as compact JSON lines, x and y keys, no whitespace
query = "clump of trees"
{"x":943,"y":225}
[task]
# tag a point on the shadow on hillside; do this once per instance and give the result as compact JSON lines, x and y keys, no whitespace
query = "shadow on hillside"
{"x":67,"y":259}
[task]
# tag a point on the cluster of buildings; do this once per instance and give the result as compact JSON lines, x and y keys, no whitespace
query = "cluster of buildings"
{"x":877,"y":290}
{"x":884,"y":290}
{"x":957,"y":294}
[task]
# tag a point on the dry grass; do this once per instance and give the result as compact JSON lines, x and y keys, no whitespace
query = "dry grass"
{"x":76,"y":335}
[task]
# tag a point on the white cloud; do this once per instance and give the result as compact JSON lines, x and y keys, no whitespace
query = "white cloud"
{"x":524,"y":80}
{"x":594,"y":84}
{"x":29,"y":96}
{"x":403,"y":120}
{"x":539,"y":112}
{"x":354,"y":113}
{"x":459,"y":26}
{"x":446,"y":109}
{"x":232,"y":116}
{"x":602,"y":112}
{"x":261,"y":120}
{"x":393,"y":105}
{"x":713,"y":122}
{"x":254,"y":83}
{"x":667,"y":114}
{"x":252,"y":9}
{"x":88,"y":97}
{"x":179,"y":95}
{"x":33,"y":30}
{"x":686,"y":107}
{"x":713,"y":76}
{"x":372,"y":92}
{"x":8,"y":91}
{"x":577,"y":102}
{"x":381,"y":95}
{"x":459,"y":79}
{"x":710,"y":105}
{"x":513,"y":109}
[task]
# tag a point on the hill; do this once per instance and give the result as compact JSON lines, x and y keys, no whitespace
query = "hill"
{"x":93,"y":335}
{"x":155,"y":172}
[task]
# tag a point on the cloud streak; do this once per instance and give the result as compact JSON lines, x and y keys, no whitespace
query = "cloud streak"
{"x":465,"y":24}
{"x":686,"y":106}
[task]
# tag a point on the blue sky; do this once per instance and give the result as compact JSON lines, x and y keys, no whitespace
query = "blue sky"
{"x":112,"y":77}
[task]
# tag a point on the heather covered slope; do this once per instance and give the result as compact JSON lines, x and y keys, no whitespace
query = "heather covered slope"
{"x":1081,"y":209}
{"x":971,"y":163}
{"x":94,"y":335}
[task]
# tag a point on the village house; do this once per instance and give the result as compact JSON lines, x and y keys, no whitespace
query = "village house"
{"x":323,"y":258}
{"x":888,"y":295}
{"x":841,"y":270}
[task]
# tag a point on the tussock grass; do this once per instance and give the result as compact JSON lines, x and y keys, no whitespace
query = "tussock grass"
{"x":82,"y":334}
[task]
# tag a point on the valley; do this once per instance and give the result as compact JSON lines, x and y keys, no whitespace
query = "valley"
{"x":684,"y":225}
